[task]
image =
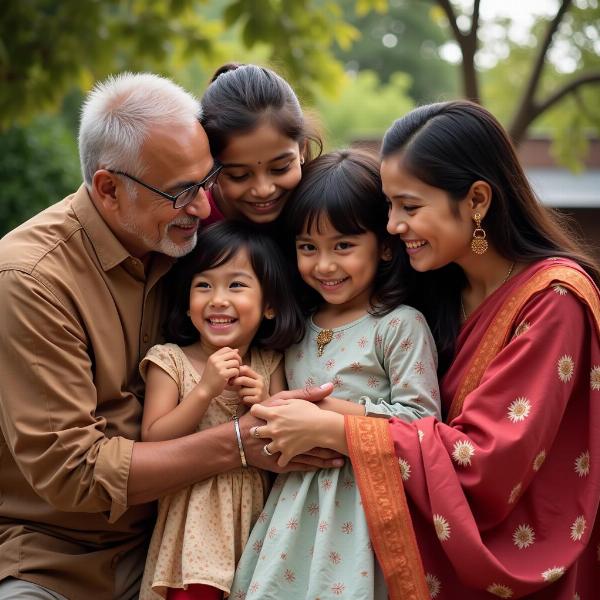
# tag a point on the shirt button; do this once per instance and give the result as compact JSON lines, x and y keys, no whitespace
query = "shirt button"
{"x":145,"y":338}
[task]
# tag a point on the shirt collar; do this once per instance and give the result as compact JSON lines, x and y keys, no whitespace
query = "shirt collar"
{"x":108,"y":248}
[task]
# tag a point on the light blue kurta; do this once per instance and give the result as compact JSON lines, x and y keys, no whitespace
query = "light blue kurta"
{"x":311,"y":540}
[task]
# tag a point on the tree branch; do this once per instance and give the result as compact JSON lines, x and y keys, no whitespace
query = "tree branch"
{"x":467,"y":42}
{"x":526,"y":103}
{"x":517,"y":130}
{"x":475,"y":19}
{"x":566,"y":89}
{"x":451,"y":16}
{"x":541,"y":57}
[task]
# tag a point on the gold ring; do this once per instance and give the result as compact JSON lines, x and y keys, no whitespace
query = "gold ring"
{"x":266,"y":450}
{"x":254,"y":431}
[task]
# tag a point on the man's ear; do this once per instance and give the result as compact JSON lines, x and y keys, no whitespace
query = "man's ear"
{"x":105,"y":188}
{"x":479,"y":197}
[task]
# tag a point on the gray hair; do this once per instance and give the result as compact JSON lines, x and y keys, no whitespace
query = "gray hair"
{"x":118,"y":114}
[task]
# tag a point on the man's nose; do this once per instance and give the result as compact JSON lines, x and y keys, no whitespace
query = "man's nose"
{"x":199,"y":206}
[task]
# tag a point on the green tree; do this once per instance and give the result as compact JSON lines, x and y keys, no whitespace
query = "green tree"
{"x":47,"y":46}
{"x":364,"y":108}
{"x":575,"y":28}
{"x":38,"y":166}
{"x":405,"y":39}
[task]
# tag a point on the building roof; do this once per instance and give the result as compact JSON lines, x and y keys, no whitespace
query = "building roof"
{"x":561,"y":188}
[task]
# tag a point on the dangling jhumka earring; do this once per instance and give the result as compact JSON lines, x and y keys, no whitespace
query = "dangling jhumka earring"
{"x":479,"y":244}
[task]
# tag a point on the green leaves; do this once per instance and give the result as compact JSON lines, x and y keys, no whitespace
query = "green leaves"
{"x":38,"y":166}
{"x":46,"y":46}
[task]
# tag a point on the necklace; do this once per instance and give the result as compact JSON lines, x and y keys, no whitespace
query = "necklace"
{"x":462,"y":306}
{"x":323,"y":338}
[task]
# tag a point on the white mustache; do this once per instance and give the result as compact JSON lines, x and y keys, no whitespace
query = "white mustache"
{"x":185,"y":221}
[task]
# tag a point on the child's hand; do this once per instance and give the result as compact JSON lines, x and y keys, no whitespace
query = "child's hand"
{"x":221,"y":366}
{"x":252,"y":386}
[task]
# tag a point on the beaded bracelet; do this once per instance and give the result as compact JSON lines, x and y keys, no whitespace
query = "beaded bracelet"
{"x":238,"y":435}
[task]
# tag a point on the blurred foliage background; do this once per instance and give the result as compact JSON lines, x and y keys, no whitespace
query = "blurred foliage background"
{"x":356,"y":64}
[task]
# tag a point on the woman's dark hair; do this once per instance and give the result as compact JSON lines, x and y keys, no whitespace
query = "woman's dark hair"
{"x":241,"y":97}
{"x":450,"y":145}
{"x":218,"y":244}
{"x":345,"y":187}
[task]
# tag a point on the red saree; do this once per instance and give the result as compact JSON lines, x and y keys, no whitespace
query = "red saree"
{"x":503,"y":496}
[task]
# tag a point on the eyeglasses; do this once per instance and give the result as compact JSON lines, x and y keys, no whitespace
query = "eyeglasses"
{"x":184,"y":197}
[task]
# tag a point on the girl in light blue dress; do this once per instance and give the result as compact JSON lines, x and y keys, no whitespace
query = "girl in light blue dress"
{"x":311,"y":540}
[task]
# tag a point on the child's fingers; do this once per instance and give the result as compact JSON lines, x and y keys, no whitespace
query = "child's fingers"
{"x":229,"y":374}
{"x":244,"y":381}
{"x":248,"y":371}
{"x":225,"y":354}
{"x":229,"y":364}
{"x":251,"y":399}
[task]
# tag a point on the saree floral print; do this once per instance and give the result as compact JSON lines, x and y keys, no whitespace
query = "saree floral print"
{"x":500,"y":500}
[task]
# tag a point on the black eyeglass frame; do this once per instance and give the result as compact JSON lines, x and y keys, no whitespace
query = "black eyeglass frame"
{"x":205,"y":184}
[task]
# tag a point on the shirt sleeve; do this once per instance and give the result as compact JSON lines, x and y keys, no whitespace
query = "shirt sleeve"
{"x":163,"y":356}
{"x":407,"y":352}
{"x":48,"y":403}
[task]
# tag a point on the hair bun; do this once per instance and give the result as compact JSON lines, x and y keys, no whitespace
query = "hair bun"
{"x":225,"y":68}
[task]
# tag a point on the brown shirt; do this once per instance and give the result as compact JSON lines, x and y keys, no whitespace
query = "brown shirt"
{"x":77,"y":314}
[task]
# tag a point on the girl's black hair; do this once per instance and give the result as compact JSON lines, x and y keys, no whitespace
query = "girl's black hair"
{"x":218,"y":244}
{"x":241,"y":97}
{"x":450,"y":145}
{"x":345,"y":187}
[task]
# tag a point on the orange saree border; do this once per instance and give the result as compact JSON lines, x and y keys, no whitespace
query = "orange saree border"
{"x":497,"y":333}
{"x":382,"y":492}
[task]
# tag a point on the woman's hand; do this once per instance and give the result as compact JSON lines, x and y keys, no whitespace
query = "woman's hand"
{"x":297,"y":426}
{"x":315,"y":458}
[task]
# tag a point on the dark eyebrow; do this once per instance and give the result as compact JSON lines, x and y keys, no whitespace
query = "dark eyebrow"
{"x":236,"y":274}
{"x":405,"y":197}
{"x":339,"y":236}
{"x":287,"y":154}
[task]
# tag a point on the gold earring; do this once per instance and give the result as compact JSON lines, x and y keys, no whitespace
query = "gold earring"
{"x":270,"y":314}
{"x":479,"y":244}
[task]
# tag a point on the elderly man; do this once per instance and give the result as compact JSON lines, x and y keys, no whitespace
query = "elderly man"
{"x":81,"y":300}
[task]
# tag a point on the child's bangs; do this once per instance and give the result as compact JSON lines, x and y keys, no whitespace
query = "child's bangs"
{"x":215,"y":257}
{"x":339,"y":206}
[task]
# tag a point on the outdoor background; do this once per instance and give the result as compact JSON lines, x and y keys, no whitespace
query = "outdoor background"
{"x":356,"y":64}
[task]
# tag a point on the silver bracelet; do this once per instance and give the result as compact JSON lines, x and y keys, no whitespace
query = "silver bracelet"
{"x":238,"y":435}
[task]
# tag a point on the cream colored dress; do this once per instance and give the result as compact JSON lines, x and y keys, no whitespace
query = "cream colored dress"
{"x":201,"y":530}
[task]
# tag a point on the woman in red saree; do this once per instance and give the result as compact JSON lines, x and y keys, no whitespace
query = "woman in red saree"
{"x":501,"y":498}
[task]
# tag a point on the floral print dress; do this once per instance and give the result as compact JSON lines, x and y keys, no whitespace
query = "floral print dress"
{"x":311,"y":539}
{"x":201,"y":530}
